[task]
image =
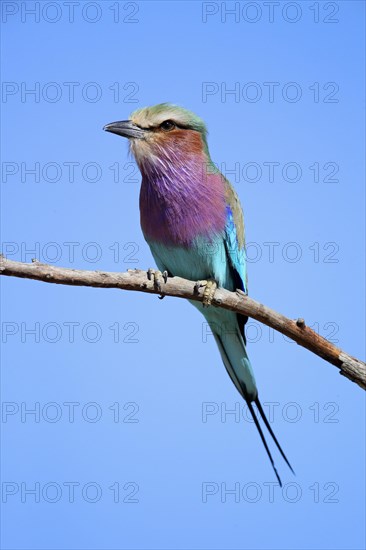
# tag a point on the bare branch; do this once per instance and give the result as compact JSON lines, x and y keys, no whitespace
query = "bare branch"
{"x":137,"y":280}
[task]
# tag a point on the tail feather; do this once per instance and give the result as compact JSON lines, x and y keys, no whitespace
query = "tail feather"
{"x":256,"y":421}
{"x":268,"y":426}
{"x":239,"y":369}
{"x":233,"y":353}
{"x":231,"y":372}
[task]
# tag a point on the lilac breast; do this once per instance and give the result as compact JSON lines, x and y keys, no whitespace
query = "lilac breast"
{"x":178,"y":204}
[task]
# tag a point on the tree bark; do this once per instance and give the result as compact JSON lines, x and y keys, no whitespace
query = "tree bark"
{"x":138,"y":280}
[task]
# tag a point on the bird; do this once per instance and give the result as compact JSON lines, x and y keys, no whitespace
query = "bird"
{"x":192,"y":220}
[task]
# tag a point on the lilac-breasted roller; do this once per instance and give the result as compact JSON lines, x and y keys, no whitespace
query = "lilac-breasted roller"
{"x":193,"y":222}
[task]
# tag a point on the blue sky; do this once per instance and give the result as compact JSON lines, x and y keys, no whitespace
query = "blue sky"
{"x":132,"y":443}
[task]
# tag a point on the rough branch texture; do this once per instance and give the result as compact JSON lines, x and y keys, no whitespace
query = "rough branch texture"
{"x":349,"y":366}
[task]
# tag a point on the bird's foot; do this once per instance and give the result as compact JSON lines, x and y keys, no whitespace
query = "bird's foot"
{"x":209,"y":291}
{"x":159,"y":278}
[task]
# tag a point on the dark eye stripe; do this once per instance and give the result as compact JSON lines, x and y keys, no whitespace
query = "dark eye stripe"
{"x":183,"y":127}
{"x":157,"y":127}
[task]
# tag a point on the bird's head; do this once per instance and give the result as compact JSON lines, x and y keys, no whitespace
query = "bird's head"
{"x":163,"y":134}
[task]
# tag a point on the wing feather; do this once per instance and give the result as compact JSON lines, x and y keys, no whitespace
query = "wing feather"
{"x":235,"y":238}
{"x":235,"y":246}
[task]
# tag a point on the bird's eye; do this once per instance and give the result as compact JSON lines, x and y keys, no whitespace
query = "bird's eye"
{"x":167,"y":125}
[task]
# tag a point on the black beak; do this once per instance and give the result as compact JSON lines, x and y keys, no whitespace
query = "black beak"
{"x":125,"y":128}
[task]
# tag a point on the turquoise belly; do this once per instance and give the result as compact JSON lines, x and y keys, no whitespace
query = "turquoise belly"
{"x":203,"y":260}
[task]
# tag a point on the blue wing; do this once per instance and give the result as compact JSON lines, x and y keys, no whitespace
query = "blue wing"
{"x":236,"y":257}
{"x":235,"y":252}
